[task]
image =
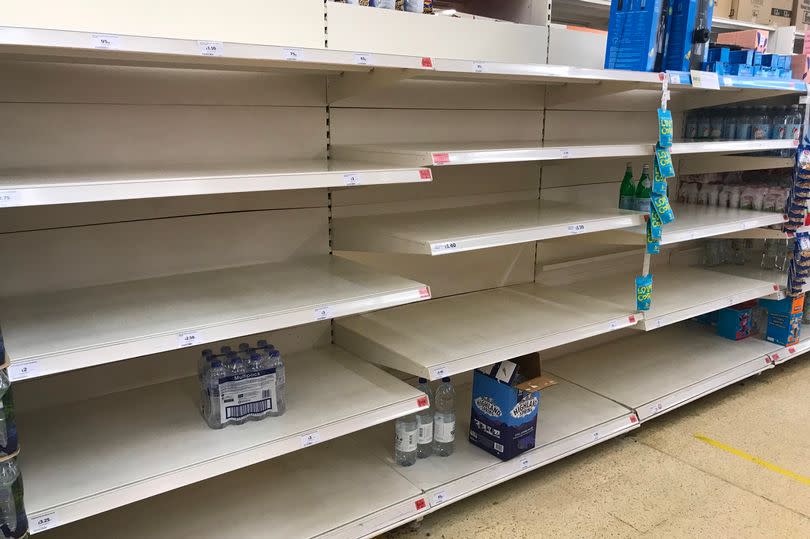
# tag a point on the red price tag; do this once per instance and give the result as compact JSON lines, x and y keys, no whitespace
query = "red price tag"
{"x":632,"y":319}
{"x":425,"y":174}
{"x":424,"y":292}
{"x":776,"y":356}
{"x":792,"y":350}
{"x":427,"y":62}
{"x":422,"y":402}
{"x":420,"y":504}
{"x":633,"y":419}
{"x":441,"y":158}
{"x":776,"y":288}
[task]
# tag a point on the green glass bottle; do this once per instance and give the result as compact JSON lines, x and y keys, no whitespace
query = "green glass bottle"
{"x":627,"y":191}
{"x":643,"y":190}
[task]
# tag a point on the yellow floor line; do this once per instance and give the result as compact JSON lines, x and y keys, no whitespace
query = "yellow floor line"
{"x":755,"y":460}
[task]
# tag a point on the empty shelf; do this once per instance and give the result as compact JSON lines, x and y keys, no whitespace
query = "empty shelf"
{"x":660,"y":371}
{"x":128,"y":446}
{"x":439,"y":232}
{"x":460,"y":333}
{"x":71,"y":329}
{"x":33,"y":188}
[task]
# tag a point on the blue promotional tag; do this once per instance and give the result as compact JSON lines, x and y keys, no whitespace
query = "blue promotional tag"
{"x":663,"y":159}
{"x":654,"y":227}
{"x":660,"y":205}
{"x":659,"y":183}
{"x":644,"y":292}
{"x":664,"y":128}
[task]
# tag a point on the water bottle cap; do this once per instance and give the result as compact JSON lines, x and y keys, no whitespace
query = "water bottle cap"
{"x":244,"y":346}
{"x":423,"y":380}
{"x":446,"y":379}
{"x":232,"y":356}
{"x":207,"y":352}
{"x":262,"y":343}
{"x":225,"y":350}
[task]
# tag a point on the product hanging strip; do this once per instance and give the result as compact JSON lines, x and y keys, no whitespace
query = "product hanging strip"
{"x":660,"y":212}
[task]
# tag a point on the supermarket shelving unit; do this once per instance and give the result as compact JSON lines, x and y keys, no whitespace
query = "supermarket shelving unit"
{"x":255,"y":175}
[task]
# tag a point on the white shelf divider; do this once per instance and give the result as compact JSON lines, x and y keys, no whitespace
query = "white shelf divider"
{"x":72,"y":329}
{"x":730,"y":146}
{"x":657,"y":372}
{"x":40,"y":188}
{"x":694,"y":222}
{"x":459,"y":333}
{"x":124,"y":447}
{"x":445,"y":231}
{"x":679,"y":292}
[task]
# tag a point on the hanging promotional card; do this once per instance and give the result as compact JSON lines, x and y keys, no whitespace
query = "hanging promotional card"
{"x":644,"y":292}
{"x":654,"y":227}
{"x":660,"y":205}
{"x":663,"y":161}
{"x":664,"y":128}
{"x":659,"y":183}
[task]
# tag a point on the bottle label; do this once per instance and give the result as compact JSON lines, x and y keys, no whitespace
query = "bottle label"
{"x":781,"y":132}
{"x":691,"y":130}
{"x":704,"y":131}
{"x":425,"y":429}
{"x":627,"y":202}
{"x":717,"y":131}
{"x":444,"y":431}
{"x":760,"y":131}
{"x":643,"y":204}
{"x":250,"y":394}
{"x":795,"y":131}
{"x":743,"y":131}
{"x":406,"y":438}
{"x":729,"y":131}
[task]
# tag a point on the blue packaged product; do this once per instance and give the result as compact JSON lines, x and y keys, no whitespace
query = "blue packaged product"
{"x":716,"y":67}
{"x":718,"y":54}
{"x":636,"y":34}
{"x":689,"y":28}
{"x":772,"y":60}
{"x":743,"y":57}
{"x":503,"y":418}
{"x":741,"y":70}
{"x":735,"y":322}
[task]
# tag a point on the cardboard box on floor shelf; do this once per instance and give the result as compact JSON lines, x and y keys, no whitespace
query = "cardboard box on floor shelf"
{"x":781,"y":13}
{"x":735,"y":322}
{"x":722,"y":9}
{"x":800,"y":66}
{"x":758,"y":11}
{"x":784,"y":320}
{"x":801,"y":15}
{"x":505,"y":404}
{"x":745,"y":39}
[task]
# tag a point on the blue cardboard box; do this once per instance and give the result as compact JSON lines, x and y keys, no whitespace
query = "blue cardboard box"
{"x":742,"y":70}
{"x":735,"y":322}
{"x":503,"y":419}
{"x":719,"y":54}
{"x":784,"y":320}
{"x":687,"y":34}
{"x":636,"y":34}
{"x":743,"y":57}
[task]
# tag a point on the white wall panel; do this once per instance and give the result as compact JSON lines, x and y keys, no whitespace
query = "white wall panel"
{"x":264,"y":22}
{"x":40,"y":136}
{"x":589,"y":171}
{"x":391,"y":32}
{"x":85,"y":256}
{"x":585,"y":127}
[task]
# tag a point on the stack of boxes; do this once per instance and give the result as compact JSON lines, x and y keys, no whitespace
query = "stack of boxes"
{"x":781,"y":322}
{"x":749,"y":63}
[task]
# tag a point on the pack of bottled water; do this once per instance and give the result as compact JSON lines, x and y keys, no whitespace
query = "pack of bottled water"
{"x":431,"y":431}
{"x":237,"y":386}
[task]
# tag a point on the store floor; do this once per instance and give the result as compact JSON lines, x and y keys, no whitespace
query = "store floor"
{"x":664,"y":481}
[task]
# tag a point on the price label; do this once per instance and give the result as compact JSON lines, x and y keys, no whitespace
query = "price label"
{"x":792,"y":350}
{"x":478,"y":67}
{"x":310,"y":439}
{"x":440,"y":158}
{"x":422,"y":402}
{"x":420,"y":504}
{"x":425,"y":174}
{"x":427,"y":62}
{"x":565,"y":153}
{"x":363,"y":59}
{"x":104,"y":41}
{"x":674,"y":78}
{"x":659,"y":323}
{"x":9,"y":198}
{"x":351,"y":179}
{"x":21,"y":371}
{"x":424,"y":292}
{"x":188,"y":338}
{"x":595,"y":436}
{"x":293,"y":55}
{"x":655,"y":408}
{"x":444,"y":247}
{"x":576,"y":229}
{"x":775,"y":357}
{"x":439,"y":372}
{"x":438,"y":498}
{"x":730,"y":301}
{"x":804,"y":241}
{"x":211,"y":48}
{"x":43,"y":522}
{"x":323,"y":313}
{"x":705,"y":79}
{"x":613,"y":324}
{"x":524,"y":463}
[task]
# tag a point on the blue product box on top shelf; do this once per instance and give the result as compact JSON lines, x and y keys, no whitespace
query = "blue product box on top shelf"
{"x":503,"y":419}
{"x":635,"y":35}
{"x":689,"y":24}
{"x":749,"y":57}
{"x":719,"y":54}
{"x":741,"y":70}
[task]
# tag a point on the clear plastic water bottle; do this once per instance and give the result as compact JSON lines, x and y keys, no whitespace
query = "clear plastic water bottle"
{"x":730,"y":123}
{"x":405,"y":441}
{"x":275,"y":361}
{"x":779,"y":123}
{"x":8,"y":427}
{"x":255,"y":364}
{"x":212,"y":414}
{"x":202,"y":363}
{"x":744,"y":123}
{"x":761,"y":124}
{"x":794,"y":120}
{"x":13,"y":520}
{"x":424,"y":421}
{"x":444,"y":419}
{"x":691,"y":130}
{"x":716,"y":124}
{"x":244,"y":351}
{"x":236,"y":367}
{"x":704,"y":126}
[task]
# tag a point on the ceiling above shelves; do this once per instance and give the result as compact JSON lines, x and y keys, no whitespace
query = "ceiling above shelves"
{"x":445,"y":231}
{"x":67,"y":330}
{"x":67,"y":187}
{"x":158,"y":432}
{"x":459,"y":333}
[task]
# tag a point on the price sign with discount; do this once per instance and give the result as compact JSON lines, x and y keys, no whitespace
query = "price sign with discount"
{"x":188,"y":338}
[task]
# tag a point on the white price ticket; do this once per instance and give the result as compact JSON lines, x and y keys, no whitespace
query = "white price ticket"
{"x":104,"y":41}
{"x":211,"y":48}
{"x":310,"y":439}
{"x":188,"y":338}
{"x":363,"y":59}
{"x":294,"y":55}
{"x":21,"y":371}
{"x":9,"y":198}
{"x":43,"y":522}
{"x":323,"y":313}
